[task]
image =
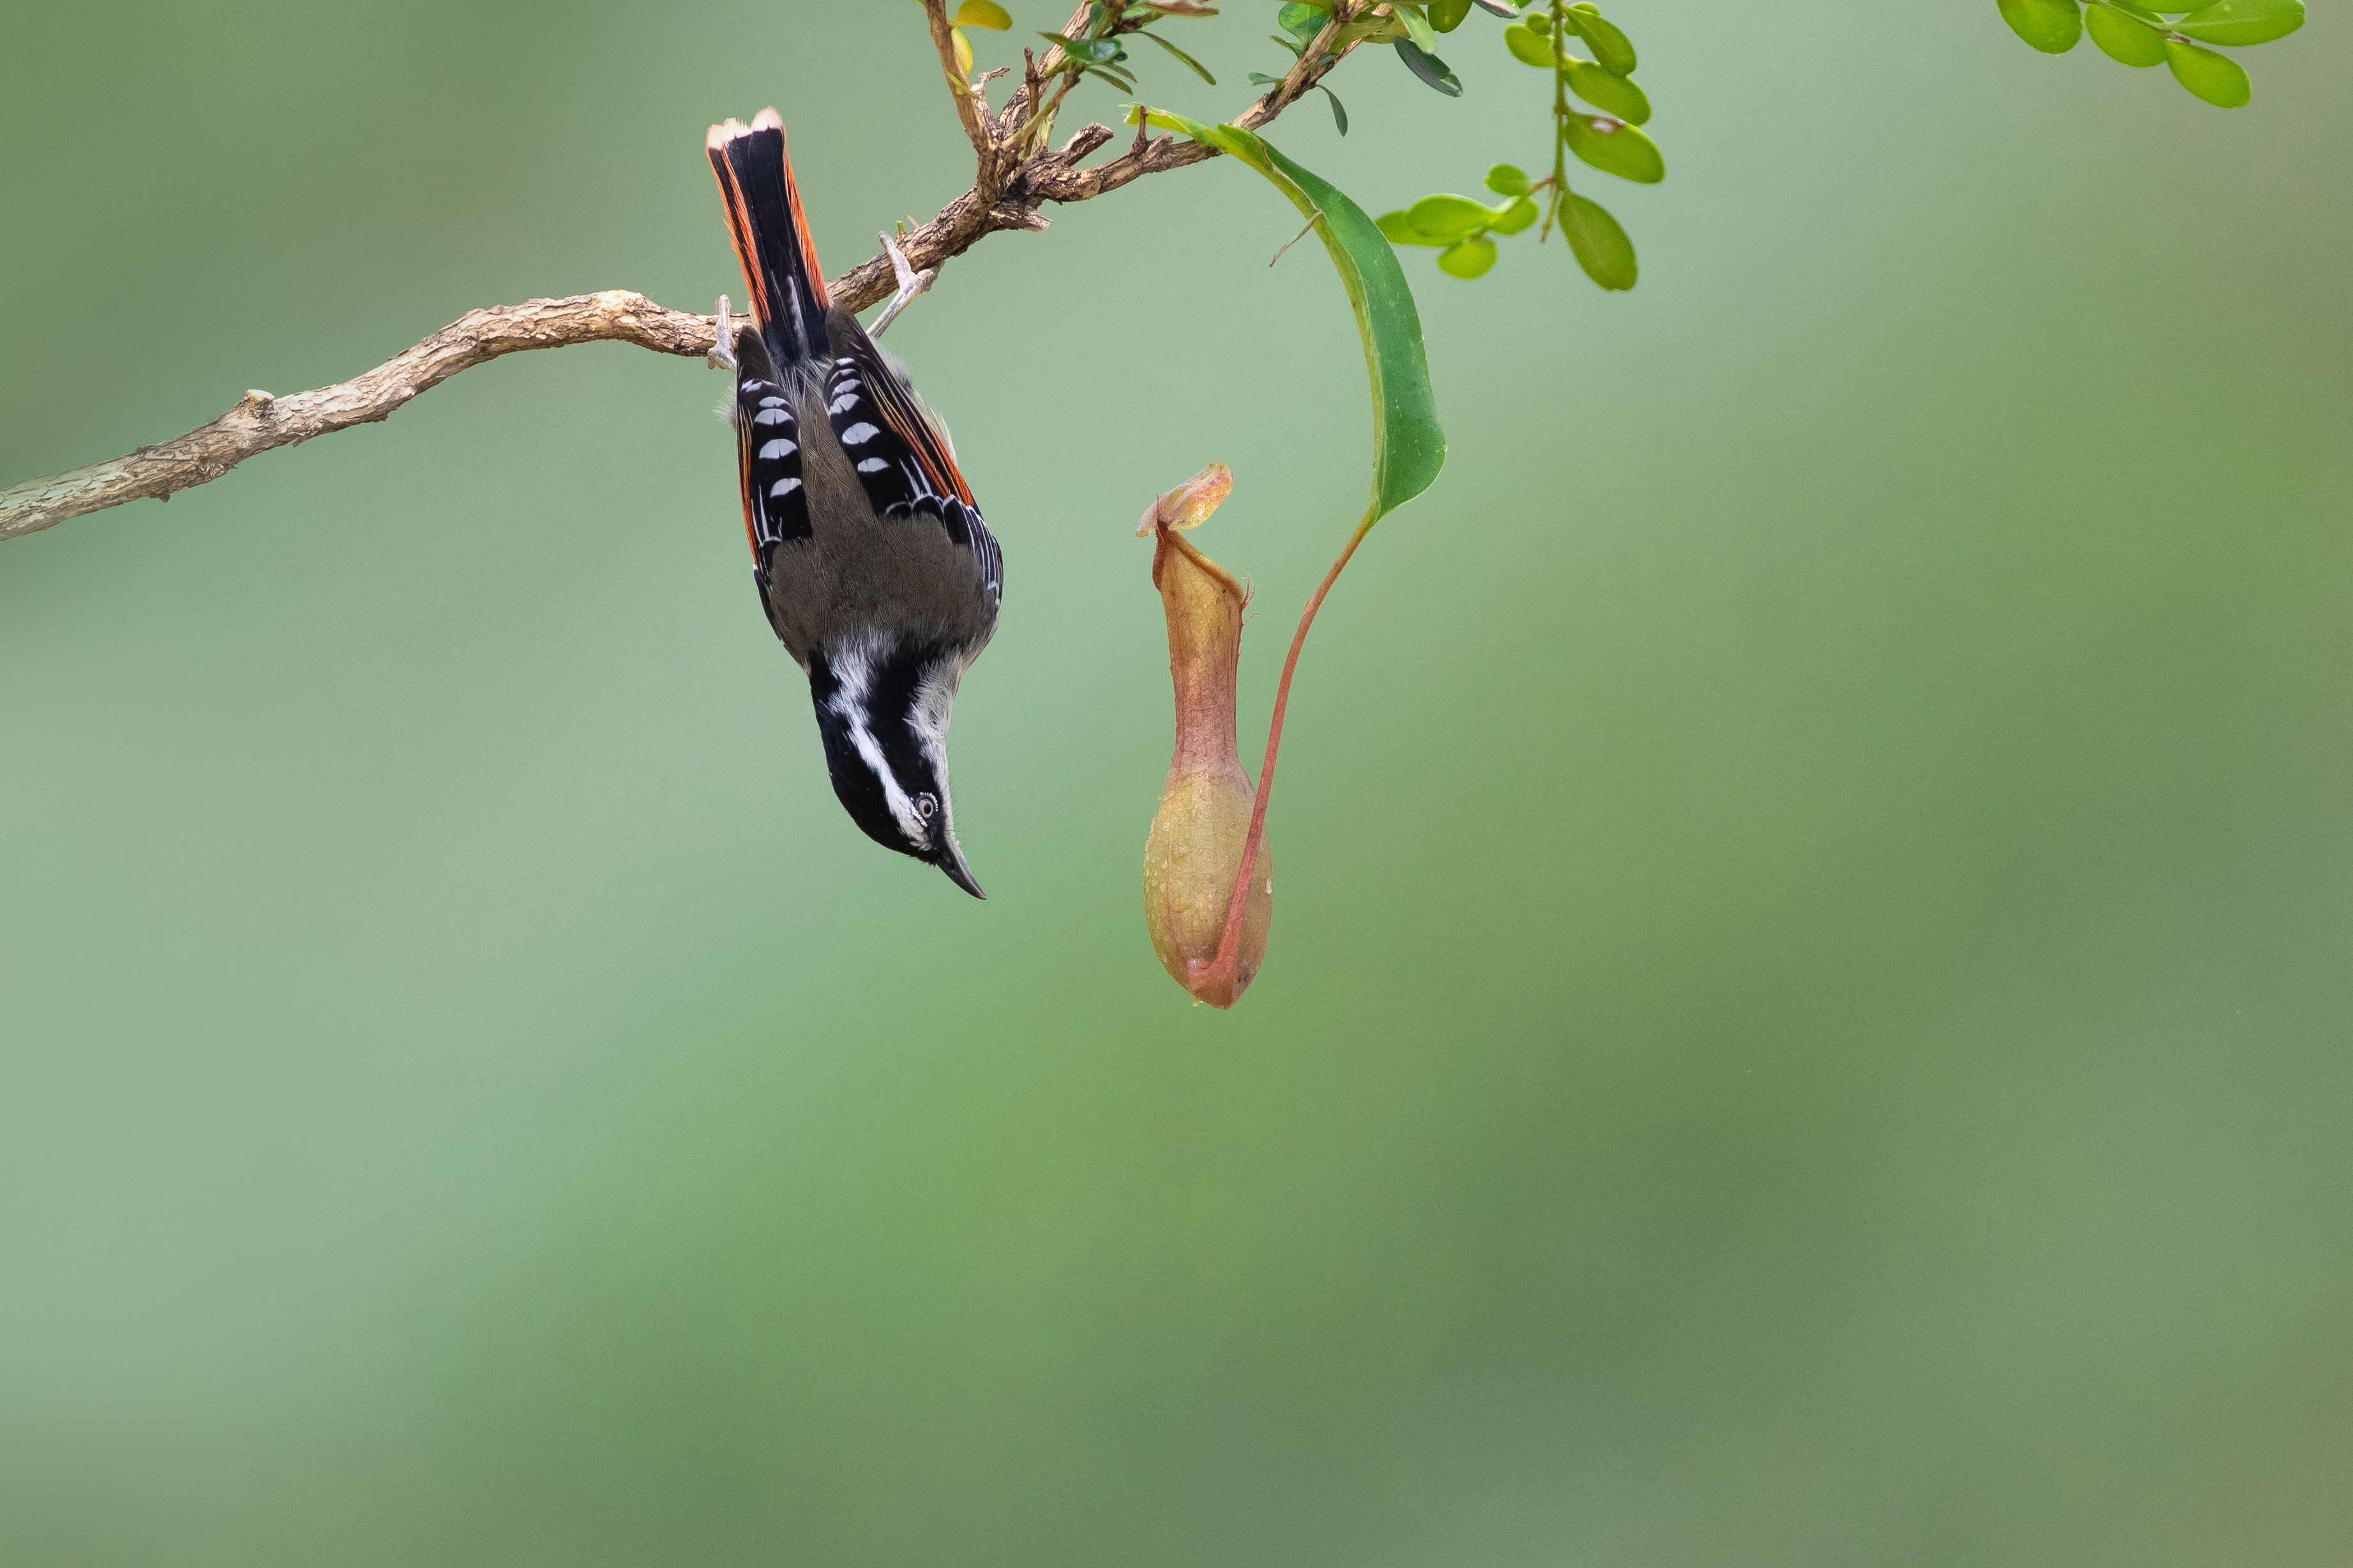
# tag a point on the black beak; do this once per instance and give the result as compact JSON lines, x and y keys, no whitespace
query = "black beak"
{"x":952,"y":861}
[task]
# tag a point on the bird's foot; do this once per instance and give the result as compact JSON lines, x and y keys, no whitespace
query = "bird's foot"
{"x":722,"y":344}
{"x":910,"y":283}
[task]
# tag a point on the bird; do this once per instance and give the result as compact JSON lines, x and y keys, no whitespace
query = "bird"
{"x":872,"y":562}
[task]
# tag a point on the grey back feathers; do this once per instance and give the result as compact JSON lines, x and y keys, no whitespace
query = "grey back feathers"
{"x":832,"y":563}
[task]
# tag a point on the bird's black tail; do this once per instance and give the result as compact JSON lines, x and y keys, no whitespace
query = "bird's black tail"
{"x":772,"y":241}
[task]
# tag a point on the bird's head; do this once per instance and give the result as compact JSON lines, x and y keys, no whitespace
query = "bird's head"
{"x":882,"y":707}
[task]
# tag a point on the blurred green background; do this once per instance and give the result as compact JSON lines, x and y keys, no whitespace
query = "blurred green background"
{"x":1808,"y":1018}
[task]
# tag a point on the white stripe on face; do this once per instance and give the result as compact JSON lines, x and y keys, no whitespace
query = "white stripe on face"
{"x":853,"y":660}
{"x":934,"y":704}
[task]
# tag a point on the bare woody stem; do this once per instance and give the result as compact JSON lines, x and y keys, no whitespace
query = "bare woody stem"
{"x":1014,"y":176}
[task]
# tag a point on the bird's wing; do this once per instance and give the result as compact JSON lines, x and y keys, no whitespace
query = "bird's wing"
{"x":767,"y":452}
{"x":900,"y":454}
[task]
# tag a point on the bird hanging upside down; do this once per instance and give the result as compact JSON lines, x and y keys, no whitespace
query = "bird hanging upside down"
{"x":871,"y":559}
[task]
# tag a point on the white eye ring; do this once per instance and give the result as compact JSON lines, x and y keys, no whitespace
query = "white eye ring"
{"x":927,"y":807}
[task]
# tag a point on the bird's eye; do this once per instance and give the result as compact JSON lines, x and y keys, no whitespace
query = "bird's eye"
{"x":927,"y":807}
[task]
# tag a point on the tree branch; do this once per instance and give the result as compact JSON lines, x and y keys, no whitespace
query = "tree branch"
{"x":1010,"y":180}
{"x":261,"y":422}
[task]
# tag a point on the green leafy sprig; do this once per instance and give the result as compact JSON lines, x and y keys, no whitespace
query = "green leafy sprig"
{"x":1406,"y":24}
{"x":1096,"y":50}
{"x":2141,"y":37}
{"x":1608,"y":136}
{"x":1303,"y":22}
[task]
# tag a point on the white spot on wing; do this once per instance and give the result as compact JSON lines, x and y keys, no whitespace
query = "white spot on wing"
{"x":873,"y":466}
{"x":771,"y":416}
{"x":859,"y":435}
{"x":779,"y":447}
{"x":783,"y":487}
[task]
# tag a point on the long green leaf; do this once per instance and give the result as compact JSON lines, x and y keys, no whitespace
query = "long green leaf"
{"x":1409,"y":446}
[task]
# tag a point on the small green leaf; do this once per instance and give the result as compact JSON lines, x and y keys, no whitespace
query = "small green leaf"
{"x":1399,"y":228}
{"x":1447,"y":15}
{"x":1198,"y":68}
{"x":1516,"y":217}
{"x":2052,"y":25}
{"x":2236,"y":23}
{"x":1260,"y":79}
{"x":983,"y":14}
{"x":1526,"y":48}
{"x":1599,"y":245}
{"x":1301,"y":22}
{"x":2218,"y":79}
{"x":1416,"y":27}
{"x":2123,"y":39}
{"x":1538,"y":22}
{"x":1508,"y":180}
{"x":1339,"y":109}
{"x":1612,"y":50}
{"x":1448,"y":217}
{"x":1093,"y":51}
{"x":1433,"y":71}
{"x":1466,"y":258}
{"x":1616,"y":94}
{"x":1615,"y":148}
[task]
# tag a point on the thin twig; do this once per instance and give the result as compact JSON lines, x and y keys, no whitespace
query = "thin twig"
{"x":1027,"y":122}
{"x":1294,"y":239}
{"x":972,"y":108}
